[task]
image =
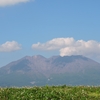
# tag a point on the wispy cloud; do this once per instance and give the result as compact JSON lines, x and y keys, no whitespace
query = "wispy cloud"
{"x":10,"y":46}
{"x":12,"y":2}
{"x":70,"y":46}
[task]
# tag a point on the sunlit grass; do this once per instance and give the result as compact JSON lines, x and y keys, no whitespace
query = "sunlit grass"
{"x":51,"y":93}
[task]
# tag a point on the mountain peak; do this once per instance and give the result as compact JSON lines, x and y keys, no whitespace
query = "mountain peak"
{"x":38,"y":56}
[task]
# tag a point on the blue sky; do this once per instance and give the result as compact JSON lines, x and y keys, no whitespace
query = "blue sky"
{"x":49,"y":27}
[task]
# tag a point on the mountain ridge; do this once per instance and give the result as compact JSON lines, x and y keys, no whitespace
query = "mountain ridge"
{"x":74,"y":69}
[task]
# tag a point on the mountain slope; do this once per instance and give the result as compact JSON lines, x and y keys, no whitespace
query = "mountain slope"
{"x":38,"y":70}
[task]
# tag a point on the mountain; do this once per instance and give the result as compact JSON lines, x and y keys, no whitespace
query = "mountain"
{"x":56,"y":70}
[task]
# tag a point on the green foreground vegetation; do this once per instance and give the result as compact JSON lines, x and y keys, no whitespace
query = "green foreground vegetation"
{"x":51,"y":93}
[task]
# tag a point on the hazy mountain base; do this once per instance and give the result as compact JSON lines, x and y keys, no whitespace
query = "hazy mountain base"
{"x":15,"y":79}
{"x":75,"y":79}
{"x":20,"y":80}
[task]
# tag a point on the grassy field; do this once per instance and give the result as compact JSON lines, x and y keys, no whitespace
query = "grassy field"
{"x":51,"y":93}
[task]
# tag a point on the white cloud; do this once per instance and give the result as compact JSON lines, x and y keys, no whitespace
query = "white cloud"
{"x":11,"y":2}
{"x":10,"y":46}
{"x":54,"y":44}
{"x":70,"y":46}
{"x":87,"y":48}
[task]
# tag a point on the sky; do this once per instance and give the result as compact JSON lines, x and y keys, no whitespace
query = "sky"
{"x":48,"y":28}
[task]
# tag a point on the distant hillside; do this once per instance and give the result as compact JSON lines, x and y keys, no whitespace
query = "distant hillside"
{"x":57,"y":70}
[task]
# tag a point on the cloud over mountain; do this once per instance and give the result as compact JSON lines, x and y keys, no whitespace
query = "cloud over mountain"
{"x":54,"y":44}
{"x":10,"y":46}
{"x":11,"y":2}
{"x":70,"y":46}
